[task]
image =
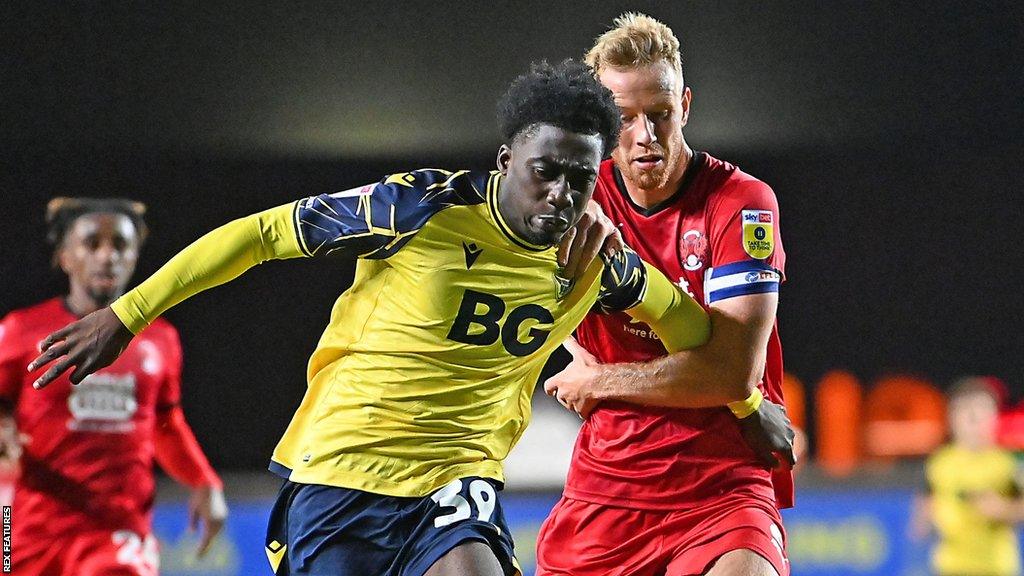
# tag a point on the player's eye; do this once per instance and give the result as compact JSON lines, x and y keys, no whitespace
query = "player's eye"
{"x":544,"y":172}
{"x":581,"y":182}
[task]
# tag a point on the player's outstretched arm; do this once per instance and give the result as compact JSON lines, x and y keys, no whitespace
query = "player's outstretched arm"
{"x":96,"y":340}
{"x":179,"y":454}
{"x":641,"y":290}
{"x":722,"y":360}
{"x":722,"y":371}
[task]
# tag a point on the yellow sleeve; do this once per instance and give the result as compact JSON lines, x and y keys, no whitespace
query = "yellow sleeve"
{"x":678,"y":320}
{"x":218,"y":257}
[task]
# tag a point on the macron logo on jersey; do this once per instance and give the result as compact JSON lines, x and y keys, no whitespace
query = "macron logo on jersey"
{"x":472,"y":253}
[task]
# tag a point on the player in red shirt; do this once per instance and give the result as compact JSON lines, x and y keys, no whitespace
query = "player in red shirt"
{"x":83,"y":500}
{"x":661,"y":484}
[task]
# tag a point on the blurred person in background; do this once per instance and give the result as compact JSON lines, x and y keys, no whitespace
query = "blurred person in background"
{"x":974,"y":492}
{"x":83,"y":500}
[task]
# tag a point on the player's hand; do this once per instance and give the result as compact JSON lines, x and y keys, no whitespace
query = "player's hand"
{"x":571,"y":387}
{"x":89,"y":344}
{"x":994,"y":507}
{"x":770,"y":433}
{"x":594,"y":233}
{"x":919,"y":527}
{"x":207,"y":507}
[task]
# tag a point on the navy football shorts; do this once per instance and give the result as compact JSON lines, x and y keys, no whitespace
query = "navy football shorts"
{"x":319,"y":530}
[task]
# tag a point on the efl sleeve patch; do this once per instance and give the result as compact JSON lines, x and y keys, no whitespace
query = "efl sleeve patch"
{"x":758,"y":240}
{"x":740,"y":279}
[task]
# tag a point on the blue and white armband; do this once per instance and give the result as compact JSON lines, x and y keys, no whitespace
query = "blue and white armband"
{"x":739,"y":279}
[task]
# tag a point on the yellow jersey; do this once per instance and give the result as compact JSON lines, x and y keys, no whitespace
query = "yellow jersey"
{"x":969,"y":544}
{"x":425,"y":371}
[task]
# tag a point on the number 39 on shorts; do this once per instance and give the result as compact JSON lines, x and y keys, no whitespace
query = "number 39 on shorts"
{"x":464,"y":499}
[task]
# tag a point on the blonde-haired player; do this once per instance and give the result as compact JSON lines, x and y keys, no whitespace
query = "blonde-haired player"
{"x":661,"y":481}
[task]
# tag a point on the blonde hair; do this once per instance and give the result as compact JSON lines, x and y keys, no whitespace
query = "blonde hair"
{"x":636,"y":40}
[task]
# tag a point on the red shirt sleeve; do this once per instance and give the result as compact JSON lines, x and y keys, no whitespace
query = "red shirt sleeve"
{"x":177,"y":450}
{"x":170,"y":391}
{"x":745,"y":226}
{"x":746,"y":247}
{"x":12,"y":359}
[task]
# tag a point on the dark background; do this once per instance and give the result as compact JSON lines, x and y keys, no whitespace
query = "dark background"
{"x":891,"y":134}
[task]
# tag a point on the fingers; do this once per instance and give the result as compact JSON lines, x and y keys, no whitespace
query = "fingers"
{"x":564,"y":247}
{"x":551,"y":389}
{"x":594,"y":236}
{"x":53,"y":373}
{"x":211,"y":528}
{"x":57,"y":336}
{"x":579,"y":241}
{"x":82,"y":370}
{"x":770,"y":460}
{"x":193,"y":516}
{"x":591,"y":245}
{"x":585,"y":410}
{"x":790,"y":456}
{"x":50,"y":353}
{"x":573,"y":347}
{"x":613,"y":243}
{"x":593,"y":233}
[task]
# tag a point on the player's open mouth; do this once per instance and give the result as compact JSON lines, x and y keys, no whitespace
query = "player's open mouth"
{"x":647,"y":161}
{"x":553,"y":222}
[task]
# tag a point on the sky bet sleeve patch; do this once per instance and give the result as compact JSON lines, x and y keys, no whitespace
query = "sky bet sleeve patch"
{"x":757,"y":233}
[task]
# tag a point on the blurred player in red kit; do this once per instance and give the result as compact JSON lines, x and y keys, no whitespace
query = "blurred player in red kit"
{"x":83,"y":499}
{"x":660,"y":484}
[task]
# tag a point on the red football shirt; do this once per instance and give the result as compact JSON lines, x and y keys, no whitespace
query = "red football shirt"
{"x":89,"y":461}
{"x":717,"y":237}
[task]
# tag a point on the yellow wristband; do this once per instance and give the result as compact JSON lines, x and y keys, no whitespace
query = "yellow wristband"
{"x":743,"y":408}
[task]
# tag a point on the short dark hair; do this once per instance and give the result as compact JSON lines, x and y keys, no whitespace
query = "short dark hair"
{"x":565,"y":95}
{"x":62,"y":212}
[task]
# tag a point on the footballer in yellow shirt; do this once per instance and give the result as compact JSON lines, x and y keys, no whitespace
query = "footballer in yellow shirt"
{"x":974,"y":490}
{"x":421,"y":382}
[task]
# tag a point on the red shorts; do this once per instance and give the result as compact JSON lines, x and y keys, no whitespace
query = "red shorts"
{"x":581,"y":538}
{"x":95,"y":553}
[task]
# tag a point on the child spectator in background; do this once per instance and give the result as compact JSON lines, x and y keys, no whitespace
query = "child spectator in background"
{"x":974,"y":489}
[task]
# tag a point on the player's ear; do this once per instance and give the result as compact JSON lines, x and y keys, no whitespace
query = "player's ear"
{"x":63,"y":258}
{"x":687,"y":96}
{"x":504,"y":159}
